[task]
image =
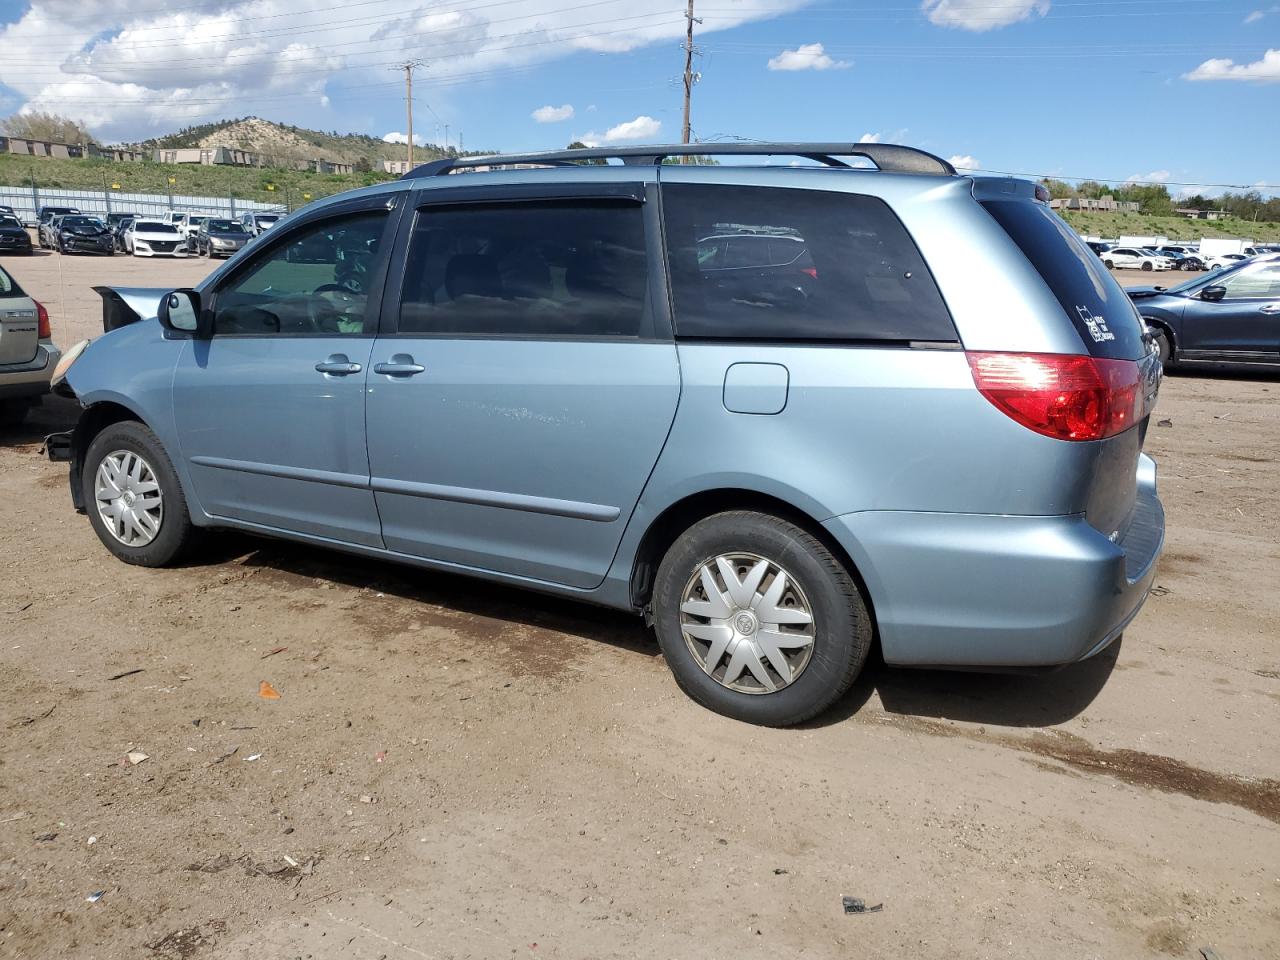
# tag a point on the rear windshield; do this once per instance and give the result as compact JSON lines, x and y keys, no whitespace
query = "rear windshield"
{"x":1101,"y":312}
{"x":8,"y":286}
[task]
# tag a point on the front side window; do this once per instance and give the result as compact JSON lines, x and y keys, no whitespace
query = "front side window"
{"x":770,"y":263}
{"x":315,"y":283}
{"x":1253,"y":283}
{"x":562,"y":268}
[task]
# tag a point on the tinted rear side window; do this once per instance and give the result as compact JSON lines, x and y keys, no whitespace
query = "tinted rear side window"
{"x":1100,"y":311}
{"x":768,"y":263}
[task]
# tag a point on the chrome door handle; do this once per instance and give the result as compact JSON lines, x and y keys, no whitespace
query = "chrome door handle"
{"x":400,"y":365}
{"x":1270,"y":308}
{"x":338,"y":365}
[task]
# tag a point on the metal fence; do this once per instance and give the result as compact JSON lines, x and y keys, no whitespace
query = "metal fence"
{"x":26,"y":202}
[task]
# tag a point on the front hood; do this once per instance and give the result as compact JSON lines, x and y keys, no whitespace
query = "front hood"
{"x":1144,"y":293}
{"x":146,"y":237}
{"x":13,"y":232}
{"x":122,"y":306}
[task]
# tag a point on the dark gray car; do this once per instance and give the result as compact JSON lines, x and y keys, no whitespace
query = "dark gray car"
{"x":219,"y":238}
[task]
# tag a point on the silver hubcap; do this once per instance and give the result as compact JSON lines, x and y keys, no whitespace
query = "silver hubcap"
{"x":128,"y":497}
{"x":747,"y":622}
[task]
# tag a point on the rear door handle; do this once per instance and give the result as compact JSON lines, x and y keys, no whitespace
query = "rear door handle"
{"x":338,"y":365}
{"x":400,"y":365}
{"x":1270,"y":308}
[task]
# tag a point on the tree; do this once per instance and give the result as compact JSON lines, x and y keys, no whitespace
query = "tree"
{"x":579,"y":145}
{"x":52,"y":127}
{"x":362,"y":165}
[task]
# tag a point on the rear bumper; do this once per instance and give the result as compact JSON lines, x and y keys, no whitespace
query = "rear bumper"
{"x":977,"y":590}
{"x":29,"y":379}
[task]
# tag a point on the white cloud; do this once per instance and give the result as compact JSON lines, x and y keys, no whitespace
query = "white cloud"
{"x":641,"y":128}
{"x":396,"y":136}
{"x":869,"y":138}
{"x":1266,"y":70}
{"x":980,"y":15}
{"x":964,"y":161}
{"x":1254,"y":17}
{"x":807,"y":56}
{"x":550,"y":114}
{"x":1155,"y":176}
{"x":131,"y":70}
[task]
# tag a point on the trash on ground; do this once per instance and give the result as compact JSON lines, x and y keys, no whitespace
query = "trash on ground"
{"x":267,"y":692}
{"x":225,"y":756}
{"x":1164,"y":423}
{"x":380,"y":756}
{"x":95,"y":896}
{"x":779,"y":871}
{"x":252,"y":757}
{"x":272,"y":653}
{"x":91,"y":841}
{"x":133,"y":758}
{"x":368,"y":799}
{"x":127,"y":673}
{"x":289,"y":860}
{"x":858,"y":905}
{"x":46,"y":837}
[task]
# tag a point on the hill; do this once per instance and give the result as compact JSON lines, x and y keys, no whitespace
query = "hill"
{"x":280,"y":143}
{"x":1098,"y":224}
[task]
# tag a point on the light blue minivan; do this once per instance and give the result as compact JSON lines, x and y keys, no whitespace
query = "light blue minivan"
{"x":779,"y":410}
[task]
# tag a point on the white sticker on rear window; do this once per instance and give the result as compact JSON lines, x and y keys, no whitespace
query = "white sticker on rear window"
{"x":1097,"y":325}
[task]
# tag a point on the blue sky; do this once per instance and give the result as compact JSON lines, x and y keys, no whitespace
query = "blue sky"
{"x":1166,"y":90}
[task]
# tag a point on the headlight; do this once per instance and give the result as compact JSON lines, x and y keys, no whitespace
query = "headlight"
{"x":68,"y":358}
{"x":141,"y":243}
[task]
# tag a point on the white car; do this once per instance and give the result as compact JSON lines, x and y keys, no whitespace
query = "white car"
{"x":1134,"y":258}
{"x":189,"y":224}
{"x":257,"y":223}
{"x":1224,"y":260}
{"x":155,"y":238}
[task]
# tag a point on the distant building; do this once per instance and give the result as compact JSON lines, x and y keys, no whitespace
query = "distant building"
{"x":40,"y":148}
{"x":118,"y":154}
{"x":1193,"y":214}
{"x":209,"y":156}
{"x":328,"y":166}
{"x":1106,"y":204}
{"x":398,"y":167}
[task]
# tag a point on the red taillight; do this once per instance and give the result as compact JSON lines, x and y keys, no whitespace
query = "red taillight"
{"x":45,"y":331}
{"x":811,"y":271}
{"x":1061,"y":395}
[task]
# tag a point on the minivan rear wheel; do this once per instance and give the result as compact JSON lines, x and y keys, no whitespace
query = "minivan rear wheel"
{"x":133,"y":497}
{"x":758,"y":620}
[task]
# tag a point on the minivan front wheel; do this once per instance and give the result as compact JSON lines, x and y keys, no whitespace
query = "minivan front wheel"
{"x":133,"y":497}
{"x":758,"y":620}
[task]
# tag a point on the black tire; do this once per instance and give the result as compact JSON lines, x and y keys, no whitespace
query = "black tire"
{"x":177,"y":534}
{"x":1110,"y":264}
{"x":1147,"y":265}
{"x":842,"y":623}
{"x":1163,"y":347}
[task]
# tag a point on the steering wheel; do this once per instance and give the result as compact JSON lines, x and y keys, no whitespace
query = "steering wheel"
{"x":323,"y":312}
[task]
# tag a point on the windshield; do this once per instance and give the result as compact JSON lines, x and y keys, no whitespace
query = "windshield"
{"x":197,"y":220}
{"x":153,"y":226}
{"x":82,"y":222}
{"x":8,"y":221}
{"x":222,"y":226}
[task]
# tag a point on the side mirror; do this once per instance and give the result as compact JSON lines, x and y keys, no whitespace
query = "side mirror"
{"x":180,"y":312}
{"x":1213,"y":294}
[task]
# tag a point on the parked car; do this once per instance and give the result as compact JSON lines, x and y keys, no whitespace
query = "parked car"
{"x":45,"y":214}
{"x":188,"y":224}
{"x":115,"y":218}
{"x":1232,"y":314}
{"x":1224,"y":260}
{"x":1134,"y":258}
{"x":220,"y":238}
{"x":1185,"y":258}
{"x":1097,"y":247}
{"x":256,"y":223}
{"x":14,"y":238}
{"x":27,"y":353}
{"x":550,"y":390}
{"x":155,"y":238}
{"x":76,"y":233}
{"x":118,"y":232}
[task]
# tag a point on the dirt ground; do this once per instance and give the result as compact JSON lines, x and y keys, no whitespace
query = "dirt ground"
{"x":459,"y":770}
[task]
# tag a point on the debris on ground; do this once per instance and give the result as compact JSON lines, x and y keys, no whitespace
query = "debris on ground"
{"x":132,"y":758}
{"x":1160,"y":591}
{"x":225,"y":756}
{"x":858,"y":905}
{"x":368,"y":799}
{"x":127,"y":673}
{"x":1166,"y":422}
{"x":380,"y":756}
{"x":252,"y":757}
{"x":95,"y":896}
{"x":27,"y":721}
{"x":267,"y":692}
{"x":46,"y":837}
{"x":272,"y":653}
{"x":91,"y":841}
{"x":779,"y":871}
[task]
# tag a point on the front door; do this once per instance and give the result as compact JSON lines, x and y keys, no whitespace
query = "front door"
{"x":1245,"y":322}
{"x":525,"y":389}
{"x":270,"y":409}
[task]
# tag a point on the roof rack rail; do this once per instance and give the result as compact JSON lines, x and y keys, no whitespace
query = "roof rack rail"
{"x":888,"y":157}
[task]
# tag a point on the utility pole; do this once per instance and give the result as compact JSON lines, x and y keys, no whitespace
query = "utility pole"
{"x":688,"y":69}
{"x":446,"y":139}
{"x":408,"y":67}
